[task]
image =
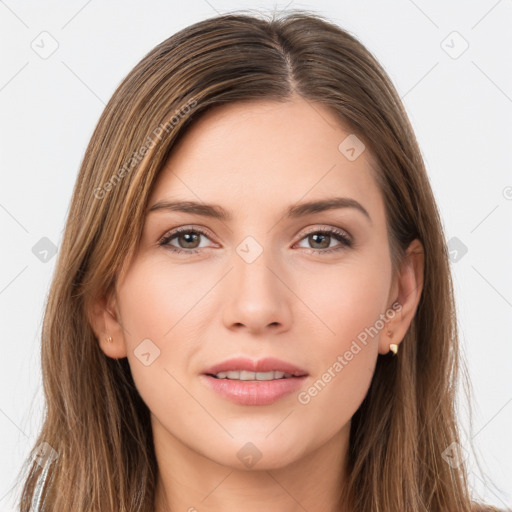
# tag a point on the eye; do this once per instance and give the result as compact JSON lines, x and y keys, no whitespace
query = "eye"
{"x":187,"y":237}
{"x":324,"y":237}
{"x":189,"y":240}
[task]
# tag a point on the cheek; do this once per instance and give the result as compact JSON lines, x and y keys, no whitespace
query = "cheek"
{"x":350,"y":300}
{"x":346,"y":299}
{"x":156,"y":298}
{"x":346,"y":353}
{"x":162,"y":303}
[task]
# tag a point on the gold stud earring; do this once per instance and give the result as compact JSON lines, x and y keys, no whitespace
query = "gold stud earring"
{"x":392,"y":346}
{"x":109,"y":339}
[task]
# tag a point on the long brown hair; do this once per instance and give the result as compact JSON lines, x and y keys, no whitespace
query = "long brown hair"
{"x":95,"y":450}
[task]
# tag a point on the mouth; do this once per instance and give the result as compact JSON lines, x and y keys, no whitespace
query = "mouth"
{"x":243,"y":368}
{"x":247,"y":375}
{"x":247,"y":382}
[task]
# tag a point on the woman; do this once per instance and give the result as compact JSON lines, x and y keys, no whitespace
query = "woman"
{"x":200,"y":351}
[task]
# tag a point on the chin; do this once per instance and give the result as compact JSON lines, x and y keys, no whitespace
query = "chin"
{"x":256,"y":452}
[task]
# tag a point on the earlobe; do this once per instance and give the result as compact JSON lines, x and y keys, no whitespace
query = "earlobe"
{"x":408,"y":288}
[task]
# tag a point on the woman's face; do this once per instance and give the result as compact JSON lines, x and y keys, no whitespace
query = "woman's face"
{"x":311,"y":289}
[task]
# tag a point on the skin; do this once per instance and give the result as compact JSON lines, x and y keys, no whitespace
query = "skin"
{"x":256,"y":159}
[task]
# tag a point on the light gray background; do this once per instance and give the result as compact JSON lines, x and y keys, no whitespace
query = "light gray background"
{"x":460,"y":105}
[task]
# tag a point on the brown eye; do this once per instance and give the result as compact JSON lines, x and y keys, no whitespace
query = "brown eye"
{"x":320,"y":240}
{"x":188,"y":240}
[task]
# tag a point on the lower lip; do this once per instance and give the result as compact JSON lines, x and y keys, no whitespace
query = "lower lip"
{"x":254,"y":392}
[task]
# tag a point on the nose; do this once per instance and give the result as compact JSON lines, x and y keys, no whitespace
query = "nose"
{"x":257,"y":295}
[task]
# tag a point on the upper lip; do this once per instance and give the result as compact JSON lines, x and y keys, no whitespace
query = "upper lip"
{"x":267,"y":364}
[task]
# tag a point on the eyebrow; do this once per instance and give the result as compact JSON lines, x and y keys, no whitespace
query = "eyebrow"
{"x":294,"y":211}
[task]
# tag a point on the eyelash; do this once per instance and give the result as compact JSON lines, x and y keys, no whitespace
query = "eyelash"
{"x":339,"y":235}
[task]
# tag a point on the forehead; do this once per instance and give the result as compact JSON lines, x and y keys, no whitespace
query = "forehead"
{"x":244,"y":155}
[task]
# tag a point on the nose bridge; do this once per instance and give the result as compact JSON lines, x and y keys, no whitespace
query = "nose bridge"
{"x":258,"y":297}
{"x":253,"y":262}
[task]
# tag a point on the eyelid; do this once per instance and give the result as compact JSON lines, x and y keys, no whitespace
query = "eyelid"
{"x":326,"y":227}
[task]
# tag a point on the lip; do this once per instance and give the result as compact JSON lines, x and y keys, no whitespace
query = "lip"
{"x":254,"y":392}
{"x":267,"y":364}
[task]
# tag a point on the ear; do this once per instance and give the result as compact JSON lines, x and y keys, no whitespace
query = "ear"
{"x":406,"y":292}
{"x":104,"y":317}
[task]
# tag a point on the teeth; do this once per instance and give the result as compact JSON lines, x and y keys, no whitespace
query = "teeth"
{"x":246,"y":375}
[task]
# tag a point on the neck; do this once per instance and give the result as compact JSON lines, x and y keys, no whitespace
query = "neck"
{"x":188,"y":481}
